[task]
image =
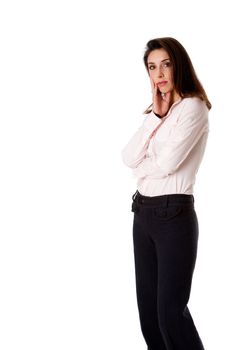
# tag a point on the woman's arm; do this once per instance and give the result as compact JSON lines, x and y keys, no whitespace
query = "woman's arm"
{"x":191,"y":125}
{"x":135,"y":150}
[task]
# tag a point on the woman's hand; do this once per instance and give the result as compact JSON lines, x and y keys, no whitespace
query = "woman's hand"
{"x":161,"y":102}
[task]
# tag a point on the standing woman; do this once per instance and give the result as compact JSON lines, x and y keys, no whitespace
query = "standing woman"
{"x":165,"y":154}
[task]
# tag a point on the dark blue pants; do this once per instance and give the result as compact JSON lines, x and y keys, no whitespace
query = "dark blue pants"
{"x":165,"y":237}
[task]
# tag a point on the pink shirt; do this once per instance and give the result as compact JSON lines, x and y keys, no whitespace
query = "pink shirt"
{"x":165,"y":154}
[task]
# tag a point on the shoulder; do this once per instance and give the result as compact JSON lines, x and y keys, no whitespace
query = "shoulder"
{"x":192,"y":109}
{"x":195,"y":105}
{"x":192,"y":112}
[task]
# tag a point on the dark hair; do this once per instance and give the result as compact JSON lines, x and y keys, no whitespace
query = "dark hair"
{"x":186,"y":82}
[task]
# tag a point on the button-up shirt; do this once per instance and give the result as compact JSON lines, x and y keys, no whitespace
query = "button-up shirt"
{"x":165,"y":153}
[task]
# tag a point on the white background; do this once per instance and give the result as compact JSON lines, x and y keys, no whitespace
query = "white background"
{"x":73,"y":89}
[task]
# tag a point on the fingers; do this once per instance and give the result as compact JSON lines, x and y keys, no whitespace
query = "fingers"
{"x":154,"y":89}
{"x":152,"y":85}
{"x":161,"y":101}
{"x":167,"y":96}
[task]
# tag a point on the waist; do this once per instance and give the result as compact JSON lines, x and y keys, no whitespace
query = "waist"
{"x":163,"y":200}
{"x":175,"y":183}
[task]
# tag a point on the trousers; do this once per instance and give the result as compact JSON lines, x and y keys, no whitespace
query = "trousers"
{"x":165,"y":241}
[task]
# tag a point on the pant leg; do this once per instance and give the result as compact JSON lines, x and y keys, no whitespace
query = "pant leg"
{"x":176,"y":245}
{"x":146,"y":282}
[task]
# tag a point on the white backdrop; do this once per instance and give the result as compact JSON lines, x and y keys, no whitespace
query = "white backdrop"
{"x":73,"y":89}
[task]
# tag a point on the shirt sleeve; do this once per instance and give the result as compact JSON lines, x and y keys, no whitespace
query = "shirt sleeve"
{"x":135,"y":150}
{"x":191,"y":125}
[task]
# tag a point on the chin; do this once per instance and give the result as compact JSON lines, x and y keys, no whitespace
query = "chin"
{"x":165,"y":91}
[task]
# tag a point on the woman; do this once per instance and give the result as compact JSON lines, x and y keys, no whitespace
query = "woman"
{"x":165,"y":154}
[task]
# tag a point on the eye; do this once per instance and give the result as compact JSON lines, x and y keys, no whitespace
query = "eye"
{"x":166,"y":64}
{"x":151,"y":67}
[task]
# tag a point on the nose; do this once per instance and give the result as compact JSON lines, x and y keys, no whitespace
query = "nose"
{"x":160,"y":72}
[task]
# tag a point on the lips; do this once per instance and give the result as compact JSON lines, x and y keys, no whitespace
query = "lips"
{"x":162,"y":83}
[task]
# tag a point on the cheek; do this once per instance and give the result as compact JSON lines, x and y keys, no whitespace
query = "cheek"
{"x":151,"y":73}
{"x":152,"y":76}
{"x":170,"y":77}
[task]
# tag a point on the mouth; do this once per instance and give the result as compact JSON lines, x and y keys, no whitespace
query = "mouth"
{"x":162,"y":83}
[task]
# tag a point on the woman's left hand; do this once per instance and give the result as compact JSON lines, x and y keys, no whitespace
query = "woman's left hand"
{"x":161,"y":101}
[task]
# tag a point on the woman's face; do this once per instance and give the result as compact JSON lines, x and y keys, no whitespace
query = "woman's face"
{"x":160,"y":71}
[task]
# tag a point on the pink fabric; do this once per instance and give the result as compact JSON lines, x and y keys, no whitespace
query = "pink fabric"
{"x":165,"y":154}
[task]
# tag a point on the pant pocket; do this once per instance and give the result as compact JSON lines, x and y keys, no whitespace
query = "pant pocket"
{"x":168,"y":213}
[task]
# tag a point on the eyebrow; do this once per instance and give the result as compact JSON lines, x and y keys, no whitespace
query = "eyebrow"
{"x":161,"y":61}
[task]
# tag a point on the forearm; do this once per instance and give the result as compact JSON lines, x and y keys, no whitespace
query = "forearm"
{"x":176,"y":148}
{"x":135,"y":150}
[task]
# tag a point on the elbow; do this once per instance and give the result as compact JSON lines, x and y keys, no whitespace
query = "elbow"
{"x":126,"y":160}
{"x":129,"y":161}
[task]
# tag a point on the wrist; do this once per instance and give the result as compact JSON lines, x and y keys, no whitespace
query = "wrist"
{"x":158,"y":115}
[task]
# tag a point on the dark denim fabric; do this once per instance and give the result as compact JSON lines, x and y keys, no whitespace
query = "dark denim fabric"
{"x":165,"y":237}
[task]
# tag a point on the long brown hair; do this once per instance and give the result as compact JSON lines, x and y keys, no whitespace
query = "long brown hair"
{"x":185,"y":79}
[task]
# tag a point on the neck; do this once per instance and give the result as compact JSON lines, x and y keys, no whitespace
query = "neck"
{"x":175,"y":96}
